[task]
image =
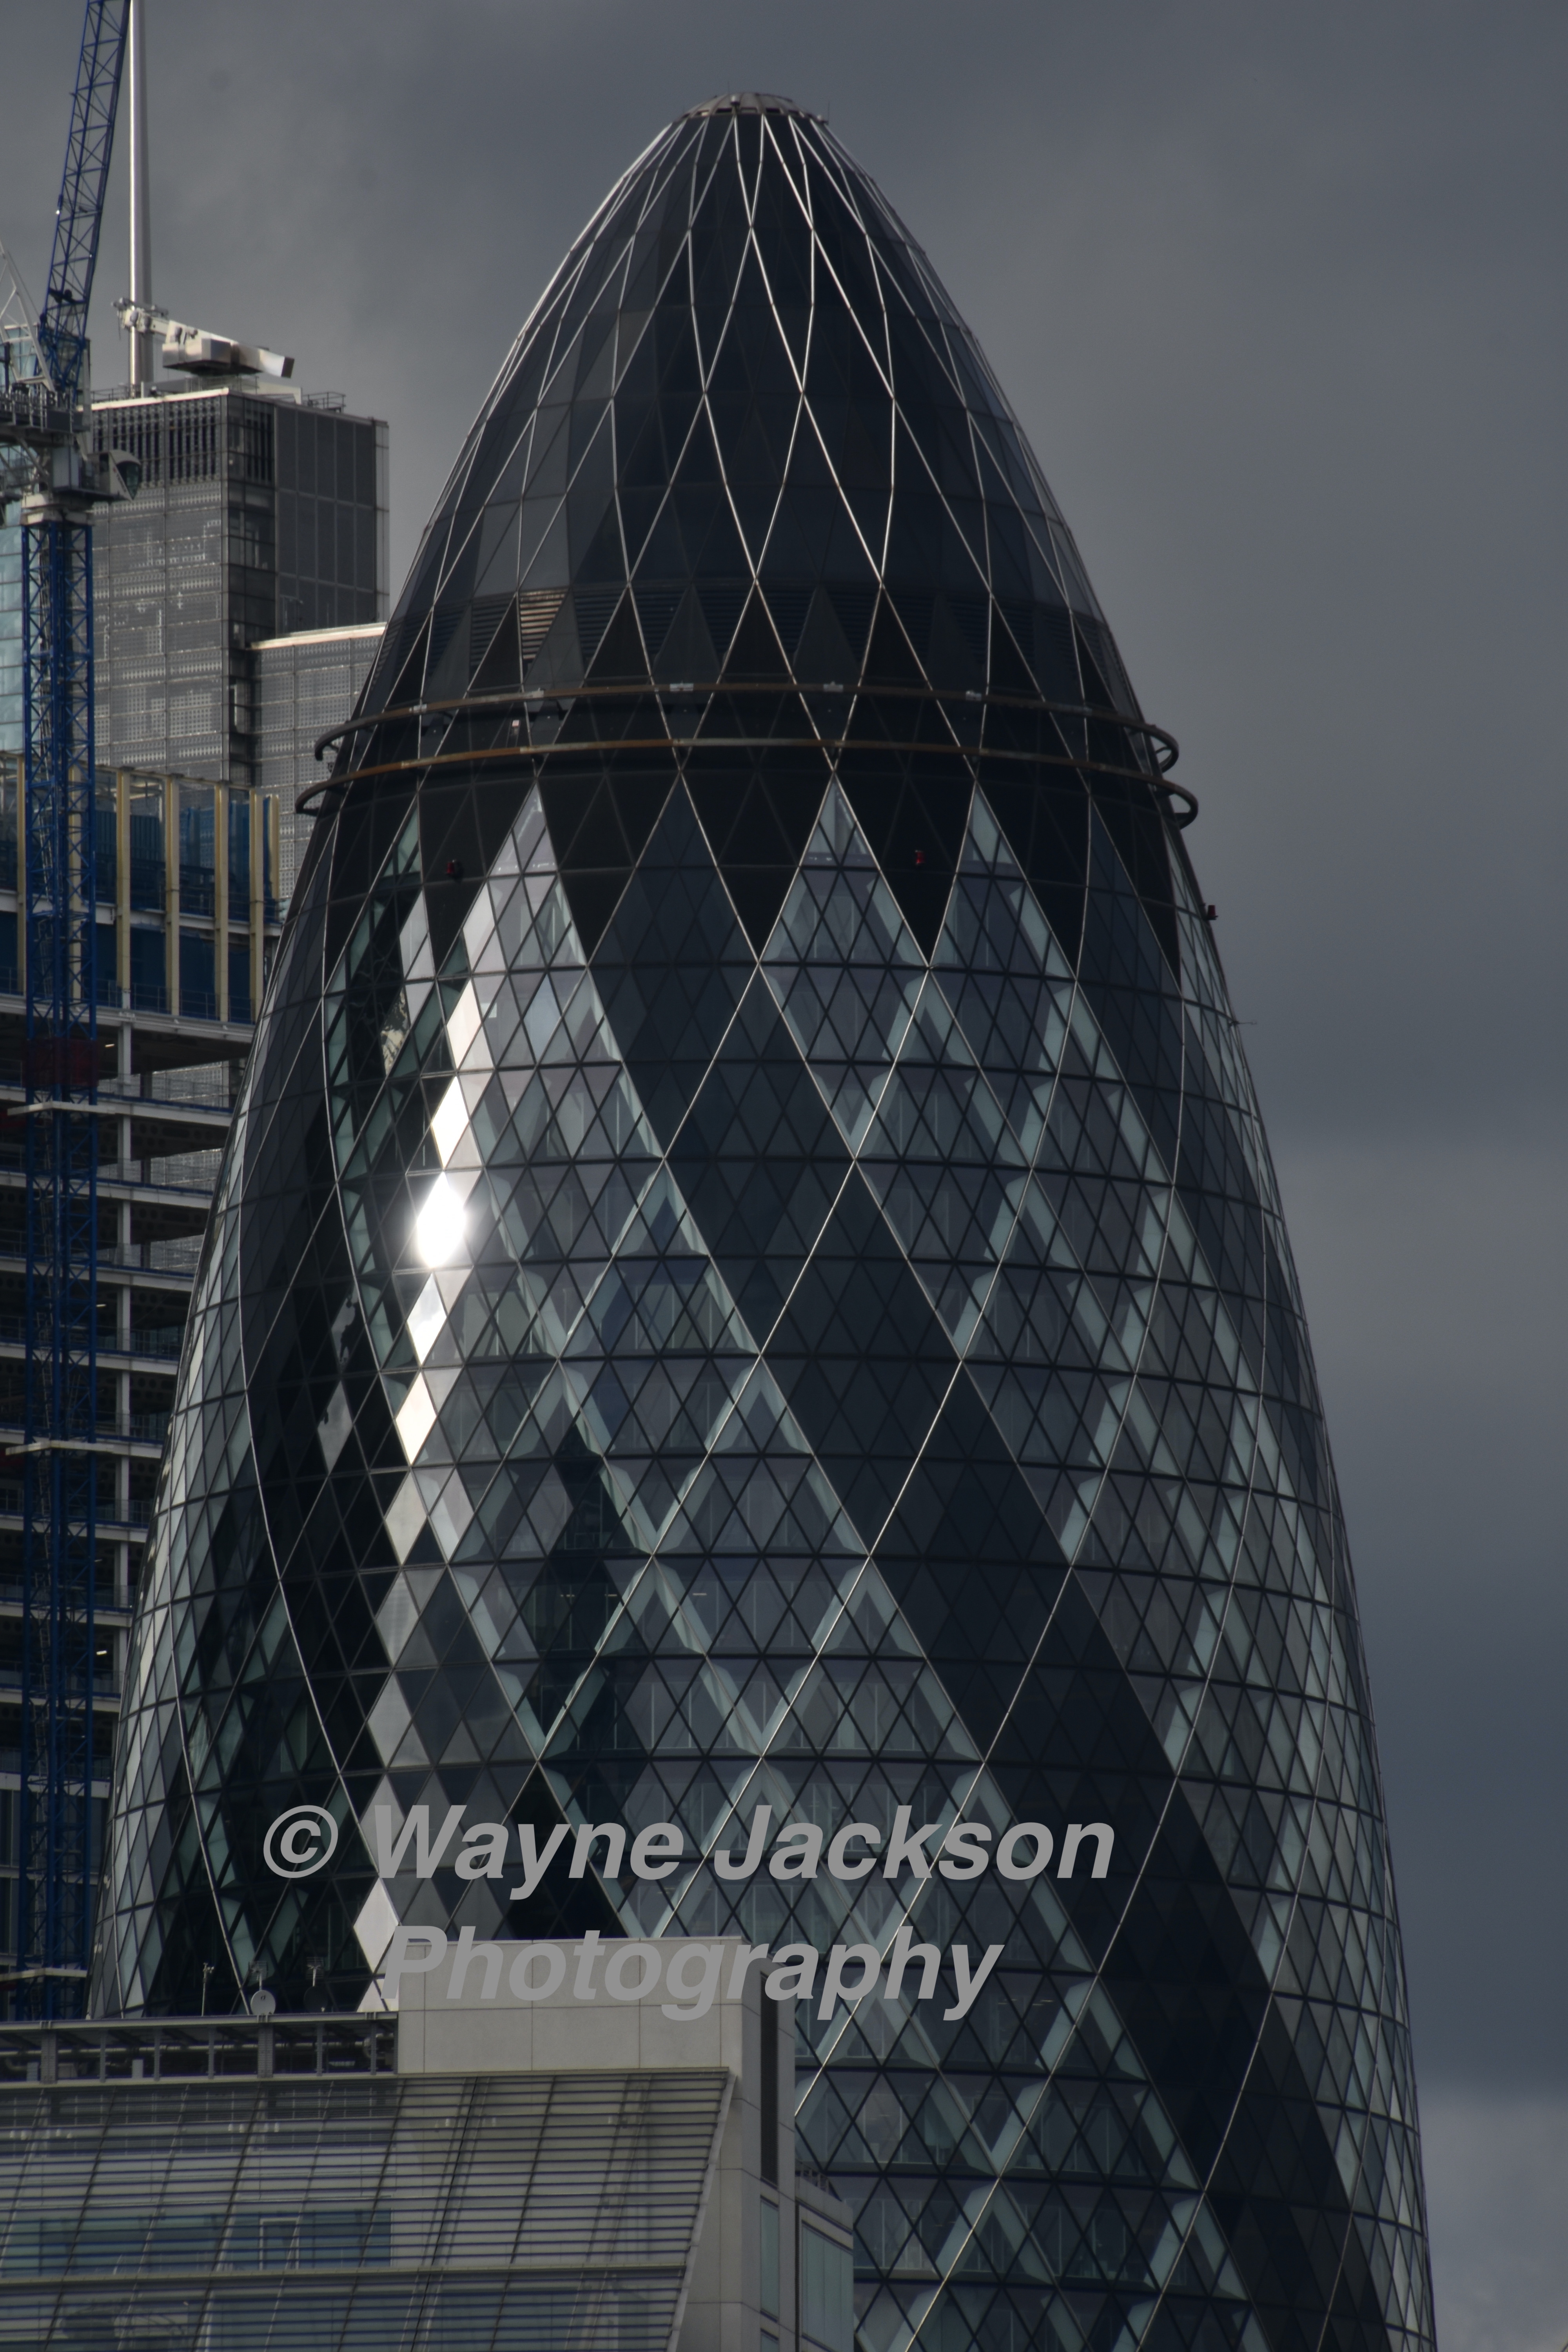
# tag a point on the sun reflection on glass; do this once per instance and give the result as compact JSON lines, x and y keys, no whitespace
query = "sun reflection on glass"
{"x":438,"y":1229}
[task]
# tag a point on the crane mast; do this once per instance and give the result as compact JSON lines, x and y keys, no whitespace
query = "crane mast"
{"x":44,"y":418}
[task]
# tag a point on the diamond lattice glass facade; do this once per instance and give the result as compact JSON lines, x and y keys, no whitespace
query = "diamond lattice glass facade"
{"x":748,"y":1274}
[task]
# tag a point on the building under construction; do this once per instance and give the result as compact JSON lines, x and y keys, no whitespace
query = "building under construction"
{"x":238,"y":608}
{"x":153,"y":537}
{"x":187,"y":915}
{"x":193,"y":875}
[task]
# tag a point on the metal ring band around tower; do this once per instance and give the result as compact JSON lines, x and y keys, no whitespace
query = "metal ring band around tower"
{"x":1167,"y":750}
{"x":1181,"y":805}
{"x":314,"y":801}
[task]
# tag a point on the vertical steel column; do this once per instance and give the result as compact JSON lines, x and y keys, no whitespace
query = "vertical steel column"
{"x":61,"y":1369}
{"x":144,"y":348}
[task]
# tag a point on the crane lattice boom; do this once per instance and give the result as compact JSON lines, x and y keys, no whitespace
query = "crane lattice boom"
{"x":46,"y":418}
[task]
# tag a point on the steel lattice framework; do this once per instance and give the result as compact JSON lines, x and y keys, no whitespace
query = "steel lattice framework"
{"x":62,"y":1258}
{"x":60,"y":886}
{"x":62,"y":323}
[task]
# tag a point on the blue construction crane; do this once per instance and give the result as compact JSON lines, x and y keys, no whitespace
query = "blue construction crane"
{"x":45,"y":420}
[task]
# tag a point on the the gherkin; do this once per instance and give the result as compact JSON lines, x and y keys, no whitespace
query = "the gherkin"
{"x":748,"y":1272}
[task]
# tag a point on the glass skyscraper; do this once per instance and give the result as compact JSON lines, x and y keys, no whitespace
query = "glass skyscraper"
{"x":258,"y":512}
{"x":748,"y":1306}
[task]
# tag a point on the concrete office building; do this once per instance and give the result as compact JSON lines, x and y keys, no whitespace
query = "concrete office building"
{"x":615,"y":2174}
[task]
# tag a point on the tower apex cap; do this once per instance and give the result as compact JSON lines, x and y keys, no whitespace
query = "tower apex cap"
{"x":749,"y":101}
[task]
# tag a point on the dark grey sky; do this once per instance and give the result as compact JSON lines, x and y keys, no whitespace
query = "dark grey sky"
{"x":1278,"y":294}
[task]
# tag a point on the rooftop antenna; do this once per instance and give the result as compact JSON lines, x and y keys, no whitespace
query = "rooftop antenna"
{"x":142,"y":345}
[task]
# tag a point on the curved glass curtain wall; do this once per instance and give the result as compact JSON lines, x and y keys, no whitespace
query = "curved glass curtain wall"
{"x":750,"y":925}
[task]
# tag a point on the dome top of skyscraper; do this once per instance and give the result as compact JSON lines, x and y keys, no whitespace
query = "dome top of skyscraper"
{"x":745,"y":436}
{"x":748,"y":102}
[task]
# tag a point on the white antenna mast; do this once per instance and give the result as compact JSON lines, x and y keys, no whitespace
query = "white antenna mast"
{"x":142,"y":345}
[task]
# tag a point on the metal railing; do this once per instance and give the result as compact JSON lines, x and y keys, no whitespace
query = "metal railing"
{"x":138,"y":1428}
{"x":189,"y":2048}
{"x":138,"y":1513}
{"x":165,"y":1341}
